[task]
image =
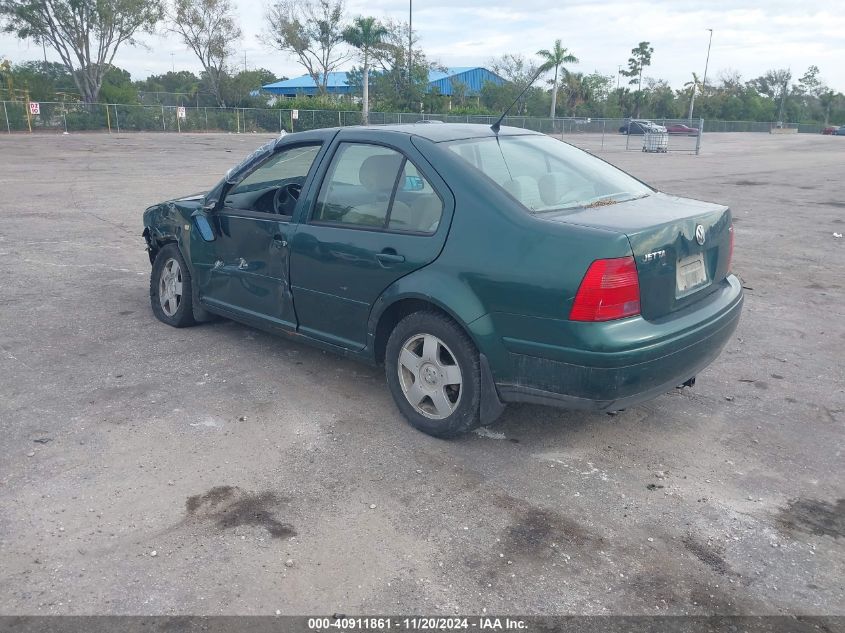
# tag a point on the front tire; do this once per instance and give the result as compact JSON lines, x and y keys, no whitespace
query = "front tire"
{"x":434,"y":374}
{"x":171,"y":295}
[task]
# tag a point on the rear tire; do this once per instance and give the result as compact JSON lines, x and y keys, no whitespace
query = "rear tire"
{"x":171,"y":296}
{"x":434,"y":374}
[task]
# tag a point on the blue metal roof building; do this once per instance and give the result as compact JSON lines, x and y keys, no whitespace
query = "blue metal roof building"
{"x":304,"y":85}
{"x":473,"y":77}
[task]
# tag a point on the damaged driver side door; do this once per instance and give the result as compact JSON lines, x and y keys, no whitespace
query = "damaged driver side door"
{"x":243,"y":264}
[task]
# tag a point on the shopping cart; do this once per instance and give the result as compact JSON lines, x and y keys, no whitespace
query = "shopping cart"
{"x":656,"y":141}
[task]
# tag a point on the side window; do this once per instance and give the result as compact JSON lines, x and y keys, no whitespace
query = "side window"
{"x":274,"y":186}
{"x":359,"y":185}
{"x":373,"y":186}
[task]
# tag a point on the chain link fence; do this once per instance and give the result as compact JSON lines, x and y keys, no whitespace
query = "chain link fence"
{"x":75,"y":117}
{"x":590,"y":133}
{"x":62,"y":117}
{"x":765,"y":127}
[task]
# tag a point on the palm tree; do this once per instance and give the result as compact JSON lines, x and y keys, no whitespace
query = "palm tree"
{"x":367,"y":35}
{"x":693,"y":86}
{"x":577,"y":91}
{"x":555,"y":58}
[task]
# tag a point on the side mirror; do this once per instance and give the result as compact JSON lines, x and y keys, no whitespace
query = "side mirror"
{"x":203,"y":226}
{"x":413,"y":183}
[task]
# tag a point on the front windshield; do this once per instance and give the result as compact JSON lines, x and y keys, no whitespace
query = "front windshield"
{"x":545,"y":174}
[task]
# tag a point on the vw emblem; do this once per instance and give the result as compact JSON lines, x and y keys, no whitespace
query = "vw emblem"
{"x":699,"y":235}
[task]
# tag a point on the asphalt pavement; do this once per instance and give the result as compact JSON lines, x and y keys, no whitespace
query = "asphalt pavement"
{"x":221,"y":470}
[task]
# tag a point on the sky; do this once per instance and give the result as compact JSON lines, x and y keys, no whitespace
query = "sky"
{"x":749,"y":36}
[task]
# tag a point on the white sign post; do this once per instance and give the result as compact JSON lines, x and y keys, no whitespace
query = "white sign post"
{"x":294,"y":115}
{"x":34,"y":108}
{"x":180,"y":112}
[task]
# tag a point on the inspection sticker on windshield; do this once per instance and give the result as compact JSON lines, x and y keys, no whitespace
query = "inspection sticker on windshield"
{"x":690,"y":273}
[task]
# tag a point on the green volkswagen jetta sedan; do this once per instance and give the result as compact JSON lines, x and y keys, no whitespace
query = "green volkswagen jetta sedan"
{"x":481,"y":268}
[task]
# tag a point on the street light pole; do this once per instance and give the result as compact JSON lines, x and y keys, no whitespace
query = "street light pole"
{"x":703,"y":81}
{"x":692,"y":98}
{"x":707,"y":63}
{"x":410,"y":50}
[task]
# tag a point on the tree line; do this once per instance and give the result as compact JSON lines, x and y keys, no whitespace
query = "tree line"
{"x":389,"y":71}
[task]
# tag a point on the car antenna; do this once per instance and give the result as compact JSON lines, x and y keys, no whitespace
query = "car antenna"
{"x":495,"y":127}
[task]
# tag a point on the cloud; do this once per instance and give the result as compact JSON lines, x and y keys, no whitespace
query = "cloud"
{"x":749,"y":36}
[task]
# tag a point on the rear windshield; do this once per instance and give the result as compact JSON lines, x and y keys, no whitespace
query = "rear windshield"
{"x":545,"y":174}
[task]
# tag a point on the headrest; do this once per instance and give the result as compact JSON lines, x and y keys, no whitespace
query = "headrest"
{"x":378,"y":173}
{"x":553,"y":187}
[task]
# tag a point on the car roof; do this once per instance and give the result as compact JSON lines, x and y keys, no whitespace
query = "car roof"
{"x":439,"y":132}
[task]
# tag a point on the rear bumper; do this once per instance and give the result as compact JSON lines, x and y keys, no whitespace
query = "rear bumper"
{"x":644,"y":360}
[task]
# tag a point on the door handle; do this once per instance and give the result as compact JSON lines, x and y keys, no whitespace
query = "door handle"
{"x":281,"y":241}
{"x":389,"y":258}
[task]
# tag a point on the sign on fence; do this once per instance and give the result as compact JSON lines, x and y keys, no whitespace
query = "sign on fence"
{"x":34,"y":108}
{"x":180,"y":112}
{"x":294,"y":114}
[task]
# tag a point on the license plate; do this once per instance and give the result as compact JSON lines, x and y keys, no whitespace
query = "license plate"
{"x":691,"y":273}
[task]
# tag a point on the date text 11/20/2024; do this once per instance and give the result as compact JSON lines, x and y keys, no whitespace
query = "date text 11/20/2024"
{"x":421,"y":623}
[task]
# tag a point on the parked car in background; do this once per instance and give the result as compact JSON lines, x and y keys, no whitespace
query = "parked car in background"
{"x":681,"y":129}
{"x":640,"y":126}
{"x":840,"y":131}
{"x":829,"y":129}
{"x":479,"y":267}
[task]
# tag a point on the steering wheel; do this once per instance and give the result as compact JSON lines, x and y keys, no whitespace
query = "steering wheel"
{"x":284,"y":202}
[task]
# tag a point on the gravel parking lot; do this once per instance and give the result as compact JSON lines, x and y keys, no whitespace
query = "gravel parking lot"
{"x":220,"y":470}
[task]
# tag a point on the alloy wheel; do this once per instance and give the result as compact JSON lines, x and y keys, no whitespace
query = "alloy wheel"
{"x":430,"y":376}
{"x":170,"y":287}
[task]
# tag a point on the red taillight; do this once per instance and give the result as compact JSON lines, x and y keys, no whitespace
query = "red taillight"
{"x":731,"y":249}
{"x":610,"y":290}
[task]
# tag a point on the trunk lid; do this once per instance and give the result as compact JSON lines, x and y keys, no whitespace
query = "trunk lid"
{"x":673,"y":267}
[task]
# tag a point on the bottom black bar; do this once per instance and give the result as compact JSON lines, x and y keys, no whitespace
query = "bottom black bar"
{"x":407,"y":624}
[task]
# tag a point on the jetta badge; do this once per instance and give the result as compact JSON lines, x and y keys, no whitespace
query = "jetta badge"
{"x":699,"y":235}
